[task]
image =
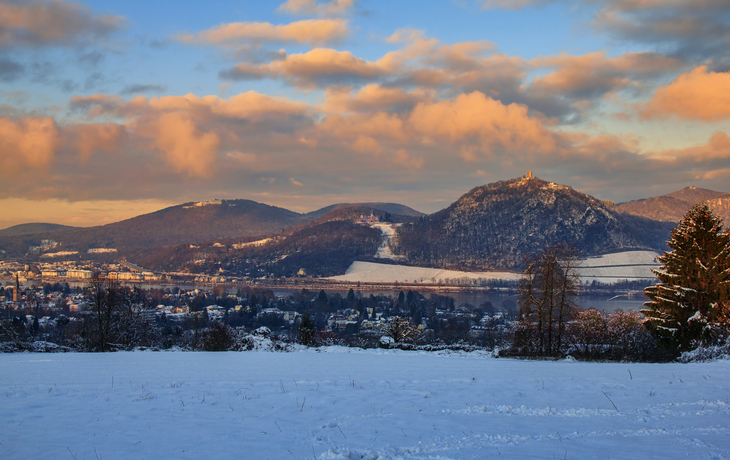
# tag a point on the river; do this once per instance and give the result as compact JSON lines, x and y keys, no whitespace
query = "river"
{"x":500,"y":300}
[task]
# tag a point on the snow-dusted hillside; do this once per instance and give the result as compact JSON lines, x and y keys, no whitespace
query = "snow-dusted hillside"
{"x":347,"y":404}
{"x":497,"y":225}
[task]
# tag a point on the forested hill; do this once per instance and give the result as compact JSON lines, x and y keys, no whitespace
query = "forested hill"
{"x":185,"y":223}
{"x":497,"y":225}
{"x":324,"y":249}
{"x":375,"y":207}
{"x":325,"y":246}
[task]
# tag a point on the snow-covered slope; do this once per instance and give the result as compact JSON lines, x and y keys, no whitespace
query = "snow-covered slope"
{"x":369,"y":272}
{"x":345,"y":404}
{"x":608,"y":268}
{"x":384,"y":251}
{"x":628,"y":265}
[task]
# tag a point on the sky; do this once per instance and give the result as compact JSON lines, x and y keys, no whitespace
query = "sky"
{"x":114,"y":109}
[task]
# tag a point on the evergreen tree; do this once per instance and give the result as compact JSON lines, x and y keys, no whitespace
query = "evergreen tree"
{"x":307,"y":330}
{"x":690,"y":304}
{"x":322,"y":297}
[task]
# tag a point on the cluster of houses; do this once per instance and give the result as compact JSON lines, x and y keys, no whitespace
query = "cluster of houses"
{"x":363,"y":316}
{"x":123,"y":271}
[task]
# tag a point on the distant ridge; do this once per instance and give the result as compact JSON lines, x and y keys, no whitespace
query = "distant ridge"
{"x":392,"y":208}
{"x":185,"y":223}
{"x":31,"y":228}
{"x":673,"y":206}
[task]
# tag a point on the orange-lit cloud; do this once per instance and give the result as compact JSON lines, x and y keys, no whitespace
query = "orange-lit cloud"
{"x":315,"y":67}
{"x":40,"y":23}
{"x":477,"y":118}
{"x":387,"y":133}
{"x":27,"y":142}
{"x":717,"y":148}
{"x":595,"y":74}
{"x":374,"y":97}
{"x":381,"y":125}
{"x":311,"y":7}
{"x":250,"y":106}
{"x":403,"y":158}
{"x":97,"y":104}
{"x":309,"y":31}
{"x":186,"y":148}
{"x":698,"y":95}
{"x":87,"y":139}
{"x":367,"y":144}
{"x":189,"y":131}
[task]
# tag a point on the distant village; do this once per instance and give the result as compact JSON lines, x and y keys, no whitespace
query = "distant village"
{"x":50,"y":309}
{"x":73,"y":271}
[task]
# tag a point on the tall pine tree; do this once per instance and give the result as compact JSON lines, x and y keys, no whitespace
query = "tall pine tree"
{"x":690,"y":305}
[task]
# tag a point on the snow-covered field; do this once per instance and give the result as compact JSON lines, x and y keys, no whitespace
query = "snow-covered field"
{"x":609,"y":268}
{"x":351,"y":404}
{"x":369,"y":272}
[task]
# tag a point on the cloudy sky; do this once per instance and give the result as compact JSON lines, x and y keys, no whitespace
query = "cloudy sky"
{"x":113,"y":109}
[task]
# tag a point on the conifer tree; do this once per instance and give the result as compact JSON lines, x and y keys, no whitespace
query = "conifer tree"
{"x":307,"y":330}
{"x":690,"y":304}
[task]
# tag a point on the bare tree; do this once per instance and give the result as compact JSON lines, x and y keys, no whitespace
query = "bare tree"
{"x":549,"y":290}
{"x":401,"y":330}
{"x":105,"y":308}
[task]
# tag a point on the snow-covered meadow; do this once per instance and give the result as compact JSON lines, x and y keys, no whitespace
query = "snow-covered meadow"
{"x":608,"y":268}
{"x":340,"y":403}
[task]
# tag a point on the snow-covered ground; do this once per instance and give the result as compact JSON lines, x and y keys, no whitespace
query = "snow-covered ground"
{"x":628,"y":265}
{"x":388,"y":231}
{"x":252,"y":243}
{"x":351,"y":404}
{"x":609,"y":268}
{"x":369,"y":272}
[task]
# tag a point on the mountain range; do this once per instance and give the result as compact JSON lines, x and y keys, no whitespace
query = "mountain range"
{"x":492,"y":226}
{"x":187,"y":223}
